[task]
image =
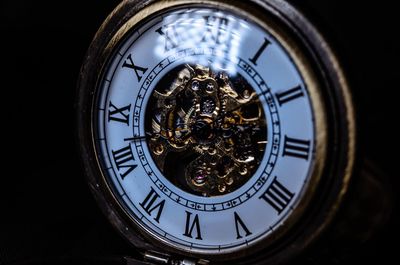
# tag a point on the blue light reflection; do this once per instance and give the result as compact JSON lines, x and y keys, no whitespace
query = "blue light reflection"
{"x":221,"y":34}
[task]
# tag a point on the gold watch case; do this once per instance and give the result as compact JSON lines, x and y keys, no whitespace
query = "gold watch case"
{"x":333,"y":113}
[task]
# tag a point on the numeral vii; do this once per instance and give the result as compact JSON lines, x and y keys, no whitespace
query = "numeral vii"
{"x":296,"y":148}
{"x":277,"y":195}
{"x":123,"y":158}
{"x":149,"y":204}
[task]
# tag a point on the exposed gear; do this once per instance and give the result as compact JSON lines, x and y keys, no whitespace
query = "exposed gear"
{"x":213,"y":124}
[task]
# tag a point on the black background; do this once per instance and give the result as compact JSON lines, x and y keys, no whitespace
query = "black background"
{"x":46,"y":209}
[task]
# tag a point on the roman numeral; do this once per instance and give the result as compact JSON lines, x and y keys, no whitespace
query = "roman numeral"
{"x":239,"y":222}
{"x":289,"y":95}
{"x":191,"y":225}
{"x":170,"y":37}
{"x":139,"y":71}
{"x":296,"y":148}
{"x":119,"y":114}
{"x":215,"y":32}
{"x":277,"y":196}
{"x":260,"y":51}
{"x":149,"y":204}
{"x":123,"y":158}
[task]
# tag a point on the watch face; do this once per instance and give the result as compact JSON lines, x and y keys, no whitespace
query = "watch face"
{"x":208,"y":127}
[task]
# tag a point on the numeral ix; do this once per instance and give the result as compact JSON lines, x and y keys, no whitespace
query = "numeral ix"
{"x":119,"y":114}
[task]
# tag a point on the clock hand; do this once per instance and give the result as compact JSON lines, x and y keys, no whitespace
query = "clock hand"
{"x":148,"y":135}
{"x":138,"y":137}
{"x":252,"y":100}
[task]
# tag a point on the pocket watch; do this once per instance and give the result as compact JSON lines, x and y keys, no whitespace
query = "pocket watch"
{"x":215,"y":131}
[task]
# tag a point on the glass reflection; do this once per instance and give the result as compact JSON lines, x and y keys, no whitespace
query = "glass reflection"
{"x":219,"y":35}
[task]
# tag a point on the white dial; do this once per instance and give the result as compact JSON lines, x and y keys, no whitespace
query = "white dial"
{"x":178,"y":89}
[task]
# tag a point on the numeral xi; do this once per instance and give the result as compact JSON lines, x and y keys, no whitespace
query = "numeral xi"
{"x":170,"y":38}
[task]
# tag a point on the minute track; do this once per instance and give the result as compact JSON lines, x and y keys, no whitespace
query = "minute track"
{"x":259,"y":183}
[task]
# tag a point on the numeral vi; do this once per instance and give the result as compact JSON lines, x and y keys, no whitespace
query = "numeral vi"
{"x":192,"y":225}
